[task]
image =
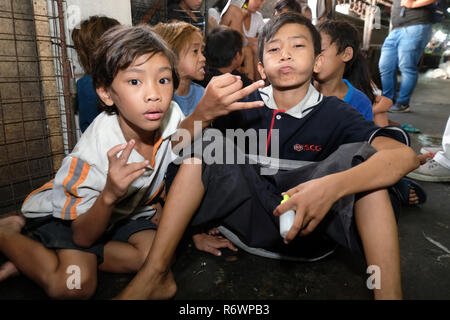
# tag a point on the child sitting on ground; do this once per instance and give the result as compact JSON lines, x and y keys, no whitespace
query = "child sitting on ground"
{"x":98,"y":211}
{"x":228,"y":59}
{"x":312,"y":128}
{"x":85,"y":41}
{"x":187,"y":42}
{"x":344,"y":72}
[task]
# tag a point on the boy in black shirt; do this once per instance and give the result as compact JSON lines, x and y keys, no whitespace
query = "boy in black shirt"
{"x":322,"y":193}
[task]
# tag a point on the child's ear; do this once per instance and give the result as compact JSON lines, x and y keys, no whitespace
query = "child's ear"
{"x":318,"y":63}
{"x":261,"y":71}
{"x":105,"y":96}
{"x":347,"y":55}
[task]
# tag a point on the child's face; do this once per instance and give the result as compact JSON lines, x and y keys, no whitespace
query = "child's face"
{"x":142,"y":93}
{"x":333,"y":63}
{"x":193,"y":4}
{"x":288,"y":58}
{"x":191,"y":64}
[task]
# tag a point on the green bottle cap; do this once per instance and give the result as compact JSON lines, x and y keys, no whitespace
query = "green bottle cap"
{"x":285,"y":198}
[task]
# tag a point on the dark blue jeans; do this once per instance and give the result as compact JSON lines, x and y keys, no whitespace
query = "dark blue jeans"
{"x":402,"y":48}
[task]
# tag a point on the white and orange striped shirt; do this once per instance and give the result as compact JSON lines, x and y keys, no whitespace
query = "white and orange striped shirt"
{"x":83,"y":173}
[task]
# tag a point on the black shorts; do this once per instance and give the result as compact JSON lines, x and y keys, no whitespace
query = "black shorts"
{"x":55,"y":233}
{"x":240,"y":198}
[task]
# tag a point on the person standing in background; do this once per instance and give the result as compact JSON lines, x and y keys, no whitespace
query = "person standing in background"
{"x":403,"y":47}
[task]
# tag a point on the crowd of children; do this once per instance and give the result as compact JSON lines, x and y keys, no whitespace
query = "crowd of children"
{"x":120,"y":203}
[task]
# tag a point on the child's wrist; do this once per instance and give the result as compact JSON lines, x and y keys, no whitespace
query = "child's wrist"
{"x":107,"y":199}
{"x":198,"y":115}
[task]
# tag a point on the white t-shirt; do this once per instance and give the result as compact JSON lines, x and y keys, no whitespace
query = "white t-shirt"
{"x":256,"y":25}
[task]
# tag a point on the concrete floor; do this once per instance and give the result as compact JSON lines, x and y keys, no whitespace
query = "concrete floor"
{"x":425,"y":271}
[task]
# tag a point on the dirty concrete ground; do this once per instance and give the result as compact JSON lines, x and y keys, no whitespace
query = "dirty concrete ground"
{"x":425,"y":268}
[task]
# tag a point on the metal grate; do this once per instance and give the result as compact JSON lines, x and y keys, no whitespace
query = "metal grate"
{"x":32,"y":100}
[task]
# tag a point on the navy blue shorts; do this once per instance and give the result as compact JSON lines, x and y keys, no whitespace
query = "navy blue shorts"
{"x":55,"y":234}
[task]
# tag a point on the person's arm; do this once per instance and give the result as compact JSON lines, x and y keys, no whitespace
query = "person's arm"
{"x":220,"y":98}
{"x":412,"y":4}
{"x":88,"y":227}
{"x":233,"y":18}
{"x":313,"y":199}
{"x":382,"y":104}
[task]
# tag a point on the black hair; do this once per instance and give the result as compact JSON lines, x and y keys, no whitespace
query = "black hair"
{"x":275,"y":24}
{"x":293,"y":5}
{"x":119,"y":47}
{"x":344,"y":35}
{"x":222,"y":45}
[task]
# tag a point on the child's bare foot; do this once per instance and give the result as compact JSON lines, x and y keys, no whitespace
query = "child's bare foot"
{"x":10,"y":225}
{"x":7,"y":270}
{"x":155,"y":286}
{"x":425,"y":157}
{"x":413,"y":197}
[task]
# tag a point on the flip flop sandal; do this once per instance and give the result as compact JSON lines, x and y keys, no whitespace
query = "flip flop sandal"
{"x":410,"y":128}
{"x":404,"y":186}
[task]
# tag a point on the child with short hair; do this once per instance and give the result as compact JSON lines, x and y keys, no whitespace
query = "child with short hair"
{"x":85,"y":41}
{"x":187,"y":42}
{"x":98,"y":211}
{"x":311,"y":127}
{"x":228,"y":59}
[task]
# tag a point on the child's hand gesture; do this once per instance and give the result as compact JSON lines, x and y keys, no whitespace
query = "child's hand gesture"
{"x":221,"y":96}
{"x":121,"y":174}
{"x":311,"y":201}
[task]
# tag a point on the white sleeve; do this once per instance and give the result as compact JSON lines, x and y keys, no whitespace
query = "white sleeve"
{"x":76,"y":187}
{"x":213,"y":13}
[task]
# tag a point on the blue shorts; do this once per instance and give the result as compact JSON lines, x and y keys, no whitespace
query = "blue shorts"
{"x":55,"y":234}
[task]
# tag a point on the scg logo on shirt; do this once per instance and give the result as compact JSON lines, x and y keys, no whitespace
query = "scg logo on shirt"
{"x":307,"y":147}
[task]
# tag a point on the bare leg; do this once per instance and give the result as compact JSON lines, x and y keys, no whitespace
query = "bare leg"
{"x":378,"y":231}
{"x":13,"y":224}
{"x":155,"y":280}
{"x":122,"y":257}
{"x":48,"y":268}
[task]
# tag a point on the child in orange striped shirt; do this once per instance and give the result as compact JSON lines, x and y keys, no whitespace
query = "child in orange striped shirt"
{"x":97,"y":212}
